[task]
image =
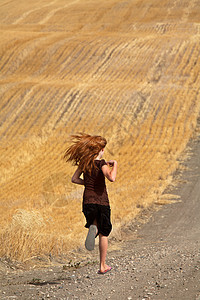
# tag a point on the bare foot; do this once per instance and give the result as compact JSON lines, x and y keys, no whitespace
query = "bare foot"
{"x":104,"y":269}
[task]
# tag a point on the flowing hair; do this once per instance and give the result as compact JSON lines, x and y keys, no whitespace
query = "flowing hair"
{"x":84,"y":149}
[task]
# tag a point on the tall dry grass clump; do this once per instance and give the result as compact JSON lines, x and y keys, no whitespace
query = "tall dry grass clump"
{"x":30,"y":235}
{"x":128,"y":71}
{"x":24,"y":237}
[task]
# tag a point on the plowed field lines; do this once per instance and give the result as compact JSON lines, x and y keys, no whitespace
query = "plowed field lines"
{"x":106,"y":105}
{"x":185,"y":59}
{"x":62,"y":108}
{"x":192,"y":61}
{"x":16,"y":115}
{"x":111,"y":107}
{"x":68,"y":70}
{"x":26,"y":14}
{"x":154,"y":136}
{"x":33,"y":172}
{"x":107,"y":59}
{"x":67,"y":112}
{"x":12,"y":114}
{"x":126,"y":70}
{"x":40,"y":110}
{"x":8,"y":103}
{"x":150,"y":157}
{"x":62,"y":52}
{"x":18,"y":63}
{"x":79,"y":67}
{"x":18,"y":52}
{"x":65,"y":60}
{"x":54,"y":11}
{"x":89,"y":64}
{"x":79,"y":98}
{"x":67,"y":65}
{"x":181,"y":56}
{"x":44,"y":58}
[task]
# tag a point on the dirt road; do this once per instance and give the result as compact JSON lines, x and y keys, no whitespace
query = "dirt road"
{"x":163,"y":262}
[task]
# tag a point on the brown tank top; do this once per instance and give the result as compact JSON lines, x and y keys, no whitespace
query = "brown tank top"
{"x":95,"y":188}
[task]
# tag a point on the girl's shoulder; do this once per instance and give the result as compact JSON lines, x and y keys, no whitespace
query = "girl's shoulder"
{"x":100,"y":162}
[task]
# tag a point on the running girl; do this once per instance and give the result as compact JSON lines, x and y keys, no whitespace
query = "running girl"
{"x":86,"y":152}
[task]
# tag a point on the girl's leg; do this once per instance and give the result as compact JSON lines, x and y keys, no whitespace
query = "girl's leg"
{"x":103,"y":246}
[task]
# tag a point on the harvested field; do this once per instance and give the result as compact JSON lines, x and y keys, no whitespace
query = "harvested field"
{"x":126,"y":70}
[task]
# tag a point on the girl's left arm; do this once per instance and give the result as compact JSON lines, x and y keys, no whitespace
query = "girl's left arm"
{"x":76,"y":177}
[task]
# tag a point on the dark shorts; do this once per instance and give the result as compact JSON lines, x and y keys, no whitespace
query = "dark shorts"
{"x":102,"y":214}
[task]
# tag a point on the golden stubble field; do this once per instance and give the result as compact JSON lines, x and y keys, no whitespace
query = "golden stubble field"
{"x":127,"y":70}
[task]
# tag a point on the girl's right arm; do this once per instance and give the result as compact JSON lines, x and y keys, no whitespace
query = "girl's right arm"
{"x":110,"y":174}
{"x":76,"y":177}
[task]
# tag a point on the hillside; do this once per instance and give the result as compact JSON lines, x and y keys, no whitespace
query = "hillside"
{"x":126,"y":70}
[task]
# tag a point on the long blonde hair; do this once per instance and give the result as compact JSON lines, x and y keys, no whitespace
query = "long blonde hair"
{"x":84,"y":149}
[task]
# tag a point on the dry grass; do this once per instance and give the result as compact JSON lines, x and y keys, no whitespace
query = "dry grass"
{"x":125,"y":70}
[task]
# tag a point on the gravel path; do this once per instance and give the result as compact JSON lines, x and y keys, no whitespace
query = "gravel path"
{"x":162,"y":262}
